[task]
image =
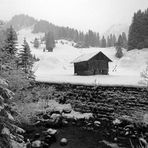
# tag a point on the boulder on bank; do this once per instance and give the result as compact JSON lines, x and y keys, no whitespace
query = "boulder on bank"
{"x":51,"y":131}
{"x":59,"y":114}
{"x":77,"y":115}
{"x":55,"y":107}
{"x":97,"y":123}
{"x":63,"y":141}
{"x":15,"y":144}
{"x":36,"y":144}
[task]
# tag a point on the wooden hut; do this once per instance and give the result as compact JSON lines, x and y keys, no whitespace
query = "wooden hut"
{"x":91,"y":64}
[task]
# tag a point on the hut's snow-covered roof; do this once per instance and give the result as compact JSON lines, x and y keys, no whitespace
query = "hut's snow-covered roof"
{"x":86,"y":57}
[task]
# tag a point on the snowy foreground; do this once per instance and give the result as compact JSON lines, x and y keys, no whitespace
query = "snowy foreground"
{"x":57,"y":67}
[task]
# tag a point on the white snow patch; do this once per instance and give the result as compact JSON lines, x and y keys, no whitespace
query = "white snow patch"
{"x":77,"y":115}
{"x":57,"y":66}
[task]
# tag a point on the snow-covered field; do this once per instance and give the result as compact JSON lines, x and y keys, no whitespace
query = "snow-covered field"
{"x":58,"y":67}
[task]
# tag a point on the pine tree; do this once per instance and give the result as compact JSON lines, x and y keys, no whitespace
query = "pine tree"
{"x":86,"y":41}
{"x":120,"y":41}
{"x":49,"y":41}
{"x":119,"y":52}
{"x":119,"y":45}
{"x":11,"y":41}
{"x":137,"y":30}
{"x":103,"y":42}
{"x":124,"y":38}
{"x":81,"y":37}
{"x":114,"y":40}
{"x":98,"y":39}
{"x":92,"y":38}
{"x":145,"y":30}
{"x":108,"y":44}
{"x":36,"y":43}
{"x":75,"y":37}
{"x":111,"y":40}
{"x":26,"y":59}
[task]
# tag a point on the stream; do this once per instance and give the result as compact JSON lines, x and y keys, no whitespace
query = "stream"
{"x":105,"y":103}
{"x":79,"y":137}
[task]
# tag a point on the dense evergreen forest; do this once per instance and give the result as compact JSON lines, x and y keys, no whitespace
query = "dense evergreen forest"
{"x":83,"y":40}
{"x":138,"y":32}
{"x":137,"y":36}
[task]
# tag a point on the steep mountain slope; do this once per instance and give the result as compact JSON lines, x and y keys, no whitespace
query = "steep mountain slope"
{"x":88,"y":39}
{"x":21,"y":21}
{"x":117,"y":29}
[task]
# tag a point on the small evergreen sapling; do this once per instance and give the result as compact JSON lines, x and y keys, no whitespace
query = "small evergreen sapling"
{"x":103,"y":42}
{"x":119,"y":45}
{"x":49,"y":41}
{"x":36,"y":43}
{"x":11,"y":41}
{"x":26,"y":59}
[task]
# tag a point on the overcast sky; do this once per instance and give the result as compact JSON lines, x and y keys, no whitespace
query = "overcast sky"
{"x":97,"y":15}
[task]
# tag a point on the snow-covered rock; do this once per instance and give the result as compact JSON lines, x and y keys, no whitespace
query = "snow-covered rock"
{"x":63,"y":141}
{"x":54,"y":106}
{"x":10,"y":116}
{"x":116,"y":122}
{"x":5,"y":131}
{"x":36,"y":143}
{"x":19,"y":130}
{"x":3,"y":82}
{"x":51,"y":131}
{"x":77,"y":115}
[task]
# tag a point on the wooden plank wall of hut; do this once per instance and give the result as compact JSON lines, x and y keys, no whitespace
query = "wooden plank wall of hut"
{"x":91,"y":67}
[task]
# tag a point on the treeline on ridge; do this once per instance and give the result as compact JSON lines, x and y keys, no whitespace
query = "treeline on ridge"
{"x":88,"y":39}
{"x":83,"y":40}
